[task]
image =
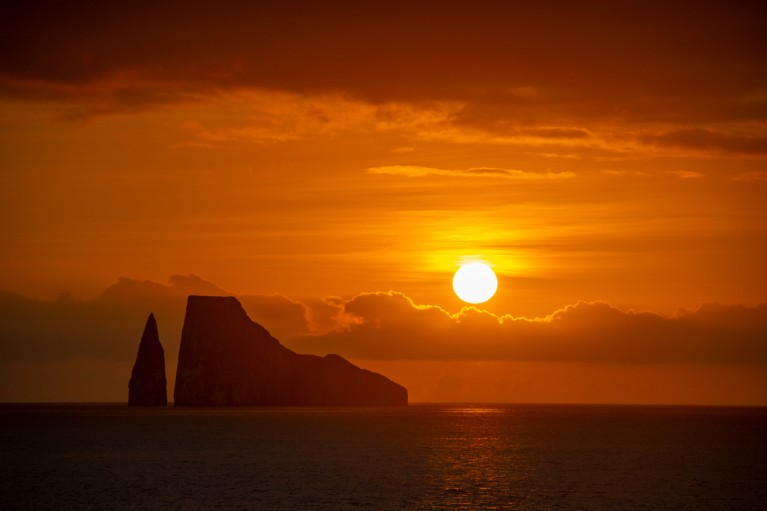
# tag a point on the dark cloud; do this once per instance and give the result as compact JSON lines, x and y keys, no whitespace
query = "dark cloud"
{"x":383,"y":326}
{"x":391,"y":326}
{"x":518,"y":61}
{"x":110,"y":326}
{"x":283,"y":317}
{"x":709,"y":141}
{"x":69,"y":349}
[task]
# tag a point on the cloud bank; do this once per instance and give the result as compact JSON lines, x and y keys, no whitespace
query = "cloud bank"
{"x":560,"y":75}
{"x":504,"y":59}
{"x":390,"y":326}
{"x":384,"y":326}
{"x":72,"y":350}
{"x":110,"y":326}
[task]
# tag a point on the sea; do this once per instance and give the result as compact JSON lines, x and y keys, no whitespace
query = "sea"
{"x":424,"y":456}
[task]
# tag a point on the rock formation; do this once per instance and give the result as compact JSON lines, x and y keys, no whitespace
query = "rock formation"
{"x":147,"y":386}
{"x":227,"y":359}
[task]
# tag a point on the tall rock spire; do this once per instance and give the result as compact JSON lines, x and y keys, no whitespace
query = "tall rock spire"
{"x":147,"y":386}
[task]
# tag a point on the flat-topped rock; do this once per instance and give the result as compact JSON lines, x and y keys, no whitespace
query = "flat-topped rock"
{"x":227,"y":359}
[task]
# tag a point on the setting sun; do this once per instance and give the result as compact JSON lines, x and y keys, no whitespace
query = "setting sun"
{"x":475,"y":283}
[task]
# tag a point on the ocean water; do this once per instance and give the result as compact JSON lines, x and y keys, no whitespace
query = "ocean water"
{"x":520,"y":457}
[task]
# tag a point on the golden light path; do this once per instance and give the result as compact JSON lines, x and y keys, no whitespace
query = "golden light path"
{"x":475,"y":283}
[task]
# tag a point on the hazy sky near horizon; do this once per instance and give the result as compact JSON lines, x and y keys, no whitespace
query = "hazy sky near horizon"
{"x":608,"y":159}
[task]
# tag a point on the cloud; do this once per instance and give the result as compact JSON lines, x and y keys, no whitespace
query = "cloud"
{"x":558,"y":132}
{"x":593,"y":61}
{"x":418,"y":171}
{"x":498,"y":131}
{"x":751,"y":177}
{"x":391,"y":326}
{"x":687,"y":174}
{"x":506,"y":128}
{"x":270,"y":116}
{"x":110,"y":326}
{"x":283,"y":317}
{"x":383,"y":325}
{"x":629,"y":173}
{"x":83,"y":350}
{"x":708,"y":141}
{"x":568,"y":79}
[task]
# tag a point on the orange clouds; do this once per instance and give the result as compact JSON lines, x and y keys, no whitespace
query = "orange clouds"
{"x":707,"y":140}
{"x":616,"y":81}
{"x":416,"y":171}
{"x":425,"y":347}
{"x":390,"y":326}
{"x":527,"y":60}
{"x":105,"y":328}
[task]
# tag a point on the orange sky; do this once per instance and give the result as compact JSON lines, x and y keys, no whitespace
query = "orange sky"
{"x":591,"y":152}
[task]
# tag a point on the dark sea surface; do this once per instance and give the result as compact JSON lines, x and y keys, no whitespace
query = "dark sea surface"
{"x":525,"y":457}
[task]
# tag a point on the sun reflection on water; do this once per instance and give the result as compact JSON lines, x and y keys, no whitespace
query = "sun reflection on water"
{"x":479,"y":460}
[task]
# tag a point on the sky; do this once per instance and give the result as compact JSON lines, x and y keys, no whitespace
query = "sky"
{"x":333,"y":164}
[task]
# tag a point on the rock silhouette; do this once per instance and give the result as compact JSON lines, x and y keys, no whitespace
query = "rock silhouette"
{"x":227,"y":359}
{"x":147,"y":385}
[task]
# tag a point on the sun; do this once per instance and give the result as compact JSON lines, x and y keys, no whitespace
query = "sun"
{"x":475,"y":283}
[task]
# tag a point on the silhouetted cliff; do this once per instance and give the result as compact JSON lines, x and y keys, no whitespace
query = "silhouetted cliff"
{"x":147,"y":385}
{"x":227,"y":359}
